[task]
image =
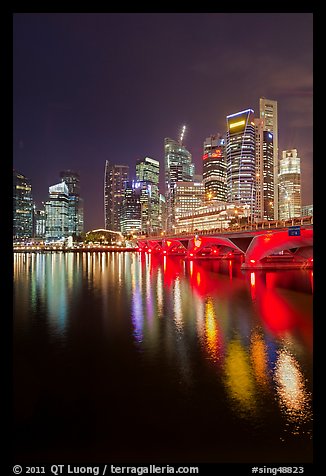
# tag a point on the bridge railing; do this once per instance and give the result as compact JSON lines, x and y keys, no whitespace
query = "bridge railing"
{"x":261,"y":225}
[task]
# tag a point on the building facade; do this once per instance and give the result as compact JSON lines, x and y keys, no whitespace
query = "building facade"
{"x":115,"y":177}
{"x":214,"y":168}
{"x":217,"y":216}
{"x":241,"y":159}
{"x":264,"y":172}
{"x":57,"y":213}
{"x":307,"y":210}
{"x":22,"y":207}
{"x":76,"y":208}
{"x":131,"y":210}
{"x":178,"y":168}
{"x":39,"y":223}
{"x":268,"y":112}
{"x":289,"y":181}
{"x":188,"y":197}
{"x":148,"y":174}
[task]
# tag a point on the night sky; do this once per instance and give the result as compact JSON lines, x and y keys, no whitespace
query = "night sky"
{"x":90,"y":87}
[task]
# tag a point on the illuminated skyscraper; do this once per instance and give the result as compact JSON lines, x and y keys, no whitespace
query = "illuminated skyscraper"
{"x":39,"y":223}
{"x":264,"y":172}
{"x":289,"y":180}
{"x":268,"y":112}
{"x":57,"y":212}
{"x":178,"y":168}
{"x":115,"y":177}
{"x":147,"y":173}
{"x":22,"y":207}
{"x":214,"y":168}
{"x":76,"y":210}
{"x":188,"y":197}
{"x":131,"y":210}
{"x":241,"y":160}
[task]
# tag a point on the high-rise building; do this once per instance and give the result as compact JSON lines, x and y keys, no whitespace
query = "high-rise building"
{"x":115,"y":177}
{"x":214,"y":168}
{"x":178,"y":168}
{"x":22,"y":207}
{"x":241,"y":160}
{"x":76,"y":209}
{"x":162,"y":215}
{"x":264,"y":172}
{"x":39,"y":223}
{"x":188,"y":197}
{"x":57,"y":212}
{"x":268,"y":112}
{"x":307,"y":210}
{"x":147,"y":173}
{"x":131,"y":210}
{"x":289,"y":181}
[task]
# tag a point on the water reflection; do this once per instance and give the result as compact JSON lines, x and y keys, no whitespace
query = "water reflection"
{"x":294,"y":398}
{"x":249,"y":334}
{"x":239,"y":380}
{"x":259,"y":358}
{"x":48,"y":282}
{"x":212,"y":332}
{"x":241,"y":334}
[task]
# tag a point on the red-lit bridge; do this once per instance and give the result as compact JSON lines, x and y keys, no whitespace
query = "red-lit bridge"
{"x":282,"y":247}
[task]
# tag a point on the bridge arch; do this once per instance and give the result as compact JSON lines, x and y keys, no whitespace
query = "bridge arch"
{"x":211,"y":247}
{"x":268,"y":244}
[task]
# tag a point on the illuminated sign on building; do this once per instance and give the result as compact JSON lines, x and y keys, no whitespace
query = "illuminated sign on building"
{"x":217,"y":153}
{"x":236,"y":124}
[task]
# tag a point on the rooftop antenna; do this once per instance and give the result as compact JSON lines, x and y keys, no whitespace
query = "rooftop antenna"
{"x":182,"y":134}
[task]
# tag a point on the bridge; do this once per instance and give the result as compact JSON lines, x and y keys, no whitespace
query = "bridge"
{"x":286,"y":246}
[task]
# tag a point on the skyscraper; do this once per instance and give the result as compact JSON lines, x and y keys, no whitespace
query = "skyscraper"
{"x":289,"y":180}
{"x":131,"y":210}
{"x":214,"y":168}
{"x":264,"y":172}
{"x":188,"y":197}
{"x":22,"y":207}
{"x":115,"y":177}
{"x":241,"y":161}
{"x":57,"y":212}
{"x":178,"y":168}
{"x":39,"y":223}
{"x":147,"y":173}
{"x":76,"y":210}
{"x":268,"y":112}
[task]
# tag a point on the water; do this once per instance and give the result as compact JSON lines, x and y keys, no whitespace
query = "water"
{"x":129,"y":357}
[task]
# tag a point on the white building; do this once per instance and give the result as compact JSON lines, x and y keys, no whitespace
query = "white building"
{"x":289,"y":181}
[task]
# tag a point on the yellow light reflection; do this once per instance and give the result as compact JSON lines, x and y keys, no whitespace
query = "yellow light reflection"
{"x":211,"y":331}
{"x":259,"y":358}
{"x":239,"y":381}
{"x":294,"y":399}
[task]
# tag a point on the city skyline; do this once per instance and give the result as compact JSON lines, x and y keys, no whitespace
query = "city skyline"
{"x":76,"y":120}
